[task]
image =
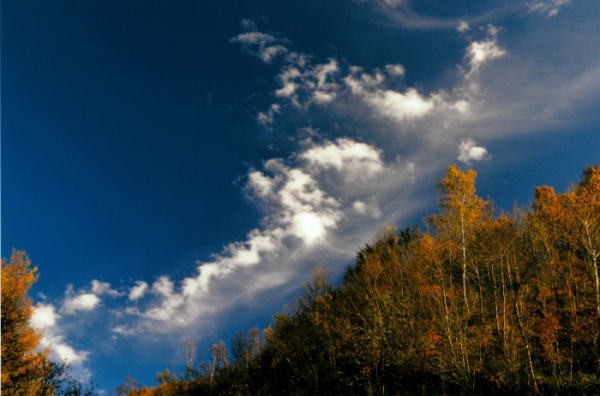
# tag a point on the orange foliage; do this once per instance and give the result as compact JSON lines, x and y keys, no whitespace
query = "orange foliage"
{"x":23,"y":367}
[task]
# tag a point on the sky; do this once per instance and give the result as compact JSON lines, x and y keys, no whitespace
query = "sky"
{"x":175,"y":169}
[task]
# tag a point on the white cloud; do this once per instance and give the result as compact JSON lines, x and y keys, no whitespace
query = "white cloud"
{"x":395,"y":70}
{"x":549,"y":8}
{"x":124,"y":330}
{"x":103,"y":288}
{"x":163,"y":286}
{"x":354,"y":159}
{"x":311,"y":227}
{"x":45,"y":319}
{"x":469,"y":152}
{"x":323,"y":71}
{"x":267,"y":118}
{"x":260,"y":184}
{"x":253,"y":38}
{"x":61,"y":351}
{"x":138,"y":291}
{"x":322,"y":97}
{"x":481,"y":52}
{"x":263,"y":45}
{"x":400,"y":105}
{"x":80,"y":302}
{"x":463,"y":26}
{"x":44,"y":316}
{"x":301,"y":217}
{"x":269,"y":53}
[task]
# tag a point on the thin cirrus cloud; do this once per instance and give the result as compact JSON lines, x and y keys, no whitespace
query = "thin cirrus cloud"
{"x":549,"y":8}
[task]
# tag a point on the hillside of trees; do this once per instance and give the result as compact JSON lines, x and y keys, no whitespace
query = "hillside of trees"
{"x":476,"y":303}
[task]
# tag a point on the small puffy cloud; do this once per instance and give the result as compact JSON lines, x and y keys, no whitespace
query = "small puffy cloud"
{"x":80,"y":302}
{"x":163,"y":286}
{"x":549,"y":8}
{"x":323,"y":71}
{"x":289,"y":85}
{"x":463,"y":26}
{"x":263,"y":45}
{"x":400,"y":105}
{"x":267,"y":118}
{"x":347,"y":156}
{"x":103,"y":288}
{"x":138,"y":290}
{"x":44,"y":316}
{"x":322,"y":97}
{"x":395,"y":70}
{"x":469,"y":152}
{"x":269,"y":53}
{"x":63,"y":352}
{"x":481,"y":52}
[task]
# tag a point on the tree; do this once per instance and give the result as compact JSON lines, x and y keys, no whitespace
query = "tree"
{"x":462,"y":211}
{"x":24,"y":368}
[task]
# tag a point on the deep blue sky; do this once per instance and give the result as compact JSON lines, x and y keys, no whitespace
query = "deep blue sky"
{"x":129,"y":130}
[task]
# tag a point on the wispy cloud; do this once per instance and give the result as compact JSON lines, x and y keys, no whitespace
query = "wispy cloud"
{"x":549,"y":8}
{"x":138,"y":290}
{"x":267,"y":47}
{"x":403,"y":15}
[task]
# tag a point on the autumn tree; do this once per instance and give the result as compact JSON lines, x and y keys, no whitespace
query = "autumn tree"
{"x":462,"y":212}
{"x":25,"y":369}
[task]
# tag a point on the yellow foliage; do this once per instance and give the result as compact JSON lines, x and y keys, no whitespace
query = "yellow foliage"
{"x":24,"y":368}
